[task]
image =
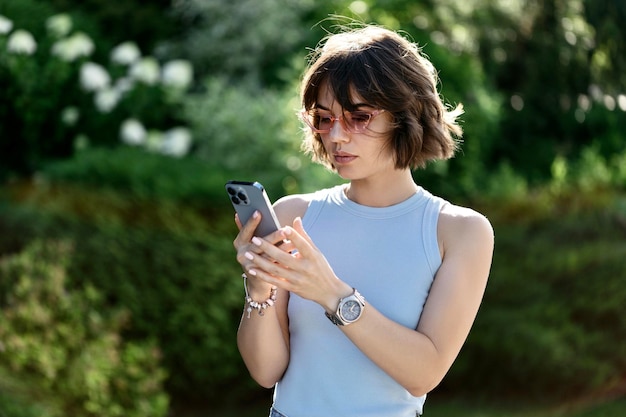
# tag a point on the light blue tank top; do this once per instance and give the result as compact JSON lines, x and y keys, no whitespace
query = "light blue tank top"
{"x":391,"y":256}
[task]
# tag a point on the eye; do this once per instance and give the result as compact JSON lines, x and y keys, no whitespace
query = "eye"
{"x":360,"y":117}
{"x":324,"y":118}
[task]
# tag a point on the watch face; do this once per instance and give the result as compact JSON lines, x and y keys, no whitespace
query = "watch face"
{"x":351,"y":310}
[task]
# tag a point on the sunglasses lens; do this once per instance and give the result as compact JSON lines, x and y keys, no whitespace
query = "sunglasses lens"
{"x":325,"y":123}
{"x":353,"y":122}
{"x":357,"y":121}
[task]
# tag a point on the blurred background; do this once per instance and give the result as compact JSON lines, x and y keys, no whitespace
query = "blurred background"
{"x":120,"y":122}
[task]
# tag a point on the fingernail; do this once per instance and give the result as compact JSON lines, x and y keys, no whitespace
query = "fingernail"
{"x":256,"y":241}
{"x":248,"y":255}
{"x":255,"y":214}
{"x":287,"y":231}
{"x":252,"y":272}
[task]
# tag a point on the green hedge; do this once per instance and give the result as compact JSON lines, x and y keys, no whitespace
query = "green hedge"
{"x":62,"y":352}
{"x":142,"y":175}
{"x":549,"y":323}
{"x":170,"y":266}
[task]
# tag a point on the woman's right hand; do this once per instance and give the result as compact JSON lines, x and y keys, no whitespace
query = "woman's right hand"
{"x":243,"y":243}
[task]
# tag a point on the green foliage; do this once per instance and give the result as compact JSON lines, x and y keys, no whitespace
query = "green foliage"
{"x":590,"y":172}
{"x":226,"y":121}
{"x":522,"y":119}
{"x":609,"y":62}
{"x":167,"y":264}
{"x":62,"y":341}
{"x":62,"y":89}
{"x":544,"y":323}
{"x":150,"y":23}
{"x":548,"y":115}
{"x":180,"y":291}
{"x":142,"y":175}
{"x":13,"y":405}
{"x":250,"y":40}
{"x":32,"y":89}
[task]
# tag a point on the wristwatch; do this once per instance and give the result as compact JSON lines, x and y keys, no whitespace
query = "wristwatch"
{"x":349,"y":310}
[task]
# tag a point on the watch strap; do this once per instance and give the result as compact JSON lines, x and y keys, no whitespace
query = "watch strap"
{"x":334,"y":318}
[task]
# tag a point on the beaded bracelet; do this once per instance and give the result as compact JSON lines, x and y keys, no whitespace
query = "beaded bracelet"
{"x":259,"y":307}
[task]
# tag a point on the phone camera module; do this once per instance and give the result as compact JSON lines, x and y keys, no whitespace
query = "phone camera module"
{"x":238,"y":196}
{"x":242,"y":197}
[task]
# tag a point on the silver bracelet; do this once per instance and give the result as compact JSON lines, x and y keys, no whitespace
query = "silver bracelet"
{"x":255,"y":305}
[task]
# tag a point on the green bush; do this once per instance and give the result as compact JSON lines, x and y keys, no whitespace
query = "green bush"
{"x":253,"y":133}
{"x":170,"y":266}
{"x":63,"y":88}
{"x":68,"y":347}
{"x":549,"y":321}
{"x":142,"y":175}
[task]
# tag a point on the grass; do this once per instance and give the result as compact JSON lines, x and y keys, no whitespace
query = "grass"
{"x":613,"y":408}
{"x":441,"y":407}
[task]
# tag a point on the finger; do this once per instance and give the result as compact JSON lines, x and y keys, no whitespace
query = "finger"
{"x":270,"y":279}
{"x":261,"y":267}
{"x":238,"y":222}
{"x":276,"y":238}
{"x":261,"y":263}
{"x":247,"y":231}
{"x":300,"y":240}
{"x":252,"y":224}
{"x":299,"y":227}
{"x":272,"y":253}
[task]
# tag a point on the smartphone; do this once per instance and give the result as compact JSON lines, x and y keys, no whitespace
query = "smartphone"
{"x":248,"y":197}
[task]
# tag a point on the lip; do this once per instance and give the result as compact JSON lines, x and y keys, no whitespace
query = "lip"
{"x":344,"y":157}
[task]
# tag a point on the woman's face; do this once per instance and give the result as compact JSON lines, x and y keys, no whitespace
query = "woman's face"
{"x":356,"y":156}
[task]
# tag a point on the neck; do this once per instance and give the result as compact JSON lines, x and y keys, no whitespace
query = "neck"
{"x":382,"y":192}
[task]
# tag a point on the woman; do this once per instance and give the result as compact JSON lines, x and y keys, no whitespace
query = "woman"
{"x":368,"y":299}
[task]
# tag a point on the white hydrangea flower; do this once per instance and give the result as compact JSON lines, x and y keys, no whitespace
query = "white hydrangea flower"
{"x":621,"y":102}
{"x":22,"y":42}
{"x":132,"y":132}
{"x":59,"y":25}
{"x":106,"y":99}
{"x":94,"y":77}
{"x":177,"y":73}
{"x":5,"y":25}
{"x":74,"y":47}
{"x":70,"y":116}
{"x":146,"y":70}
{"x":176,"y":142}
{"x":126,"y":53}
{"x":124,"y":85}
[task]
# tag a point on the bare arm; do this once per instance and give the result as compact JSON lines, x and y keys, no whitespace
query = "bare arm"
{"x":416,"y":358}
{"x":263,"y":341}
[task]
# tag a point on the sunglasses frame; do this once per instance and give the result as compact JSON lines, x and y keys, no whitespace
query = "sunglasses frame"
{"x":306,"y":117}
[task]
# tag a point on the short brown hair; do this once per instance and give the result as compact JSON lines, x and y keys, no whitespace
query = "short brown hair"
{"x":391,"y":73}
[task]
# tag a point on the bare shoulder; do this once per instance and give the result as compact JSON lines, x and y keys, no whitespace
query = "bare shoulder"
{"x":291,"y":206}
{"x":462,"y":226}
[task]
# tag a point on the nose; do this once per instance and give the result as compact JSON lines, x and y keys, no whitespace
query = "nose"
{"x":338,"y":132}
